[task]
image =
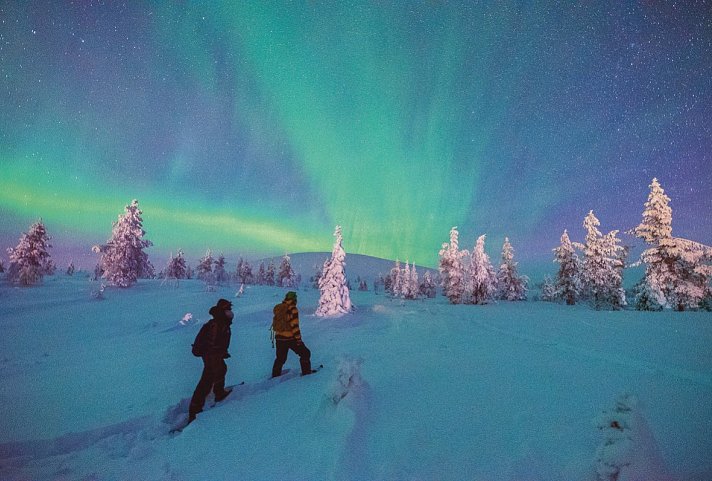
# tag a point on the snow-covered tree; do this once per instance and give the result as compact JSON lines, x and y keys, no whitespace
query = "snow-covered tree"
{"x":602,"y":268}
{"x":427,"y":286}
{"x":269,"y":275}
{"x":204,"y":269}
{"x":70,"y":268}
{"x":547,"y":290}
{"x":481,"y":278}
{"x":261,"y":274}
{"x":410,"y":285}
{"x":568,"y":278}
{"x":176,"y":268}
{"x":286,"y":276}
{"x":510,"y":285}
{"x":395,"y":286}
{"x":451,"y":268}
{"x":30,"y":261}
{"x":221,"y":275}
{"x":243,"y":272}
{"x":123,"y":258}
{"x":677,"y":270}
{"x":334,"y":295}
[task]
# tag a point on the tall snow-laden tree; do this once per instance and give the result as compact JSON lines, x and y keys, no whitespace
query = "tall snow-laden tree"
{"x":269,"y":275}
{"x":334,"y":298}
{"x":261,"y":274}
{"x":602,"y":267}
{"x":412,"y":285}
{"x":451,"y":268}
{"x":176,"y":268}
{"x":204,"y":269}
{"x":481,"y":278}
{"x":30,"y":261}
{"x":427,"y":286}
{"x":677,"y":271}
{"x":568,"y":278}
{"x":124,"y":260}
{"x":221,"y":275}
{"x":286,"y":276}
{"x":510,"y":285}
{"x":395,"y":287}
{"x":244,"y":275}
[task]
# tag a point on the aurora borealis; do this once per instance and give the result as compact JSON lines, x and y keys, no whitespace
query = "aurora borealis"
{"x":255,"y":127}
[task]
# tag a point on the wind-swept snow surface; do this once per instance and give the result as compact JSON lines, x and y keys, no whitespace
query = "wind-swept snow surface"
{"x":410,"y":390}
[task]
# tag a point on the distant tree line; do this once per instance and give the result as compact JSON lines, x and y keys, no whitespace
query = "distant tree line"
{"x":677,"y":271}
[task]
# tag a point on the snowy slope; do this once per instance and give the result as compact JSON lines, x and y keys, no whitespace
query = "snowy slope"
{"x":416,"y":390}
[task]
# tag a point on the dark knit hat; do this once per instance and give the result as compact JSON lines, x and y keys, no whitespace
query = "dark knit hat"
{"x":291,"y":295}
{"x":224,"y":304}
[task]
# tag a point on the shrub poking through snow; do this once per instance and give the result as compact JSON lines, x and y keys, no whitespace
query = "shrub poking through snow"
{"x":615,"y":452}
{"x":348,"y":378}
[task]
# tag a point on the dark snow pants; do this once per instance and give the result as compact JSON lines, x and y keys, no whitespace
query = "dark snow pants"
{"x":283,"y":346}
{"x":213,"y":378}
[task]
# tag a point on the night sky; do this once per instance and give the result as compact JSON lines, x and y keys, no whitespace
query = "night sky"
{"x":254,"y":128}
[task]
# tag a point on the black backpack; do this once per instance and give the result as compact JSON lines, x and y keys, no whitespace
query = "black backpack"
{"x":202,"y":343}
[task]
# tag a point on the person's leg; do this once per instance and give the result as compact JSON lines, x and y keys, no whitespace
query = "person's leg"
{"x":282,"y":348}
{"x":220,"y":370}
{"x":304,"y":356}
{"x":201,"y":390}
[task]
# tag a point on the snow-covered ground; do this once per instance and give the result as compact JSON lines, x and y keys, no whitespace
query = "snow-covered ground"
{"x":418,"y":390}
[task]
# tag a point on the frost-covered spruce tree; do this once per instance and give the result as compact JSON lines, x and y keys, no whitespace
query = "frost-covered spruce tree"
{"x":269,"y":275}
{"x":396,"y":280}
{"x":124,"y":260}
{"x":547,"y":290}
{"x":176,"y":268}
{"x":221,"y":275}
{"x":286,"y":276}
{"x":409,"y":288}
{"x":204,"y":269}
{"x":334,"y":298}
{"x":677,"y":270}
{"x":70,"y":268}
{"x":602,"y":266}
{"x":427,"y":286}
{"x":510,"y":285}
{"x":261,"y":273}
{"x":451,"y":268}
{"x":30,"y":261}
{"x":568,"y":278}
{"x":243,"y":272}
{"x":412,"y":290}
{"x":481,"y":278}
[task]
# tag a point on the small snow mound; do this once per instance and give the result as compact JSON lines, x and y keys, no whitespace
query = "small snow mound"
{"x":348,"y":379}
{"x":187,"y":319}
{"x":628,"y":451}
{"x":380,"y":309}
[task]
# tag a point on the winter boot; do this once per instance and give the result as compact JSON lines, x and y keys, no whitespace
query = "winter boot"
{"x":222,"y":395}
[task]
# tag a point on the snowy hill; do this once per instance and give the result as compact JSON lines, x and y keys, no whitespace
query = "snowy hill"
{"x":419,"y":390}
{"x":357,"y":265}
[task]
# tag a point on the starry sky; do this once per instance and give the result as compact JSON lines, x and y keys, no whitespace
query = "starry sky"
{"x":253,"y":128}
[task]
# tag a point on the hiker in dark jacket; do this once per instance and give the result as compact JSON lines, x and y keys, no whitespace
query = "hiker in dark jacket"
{"x":291,"y":338}
{"x":217,"y":342}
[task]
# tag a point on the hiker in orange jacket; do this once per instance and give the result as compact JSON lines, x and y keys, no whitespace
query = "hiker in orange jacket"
{"x":290,"y":337}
